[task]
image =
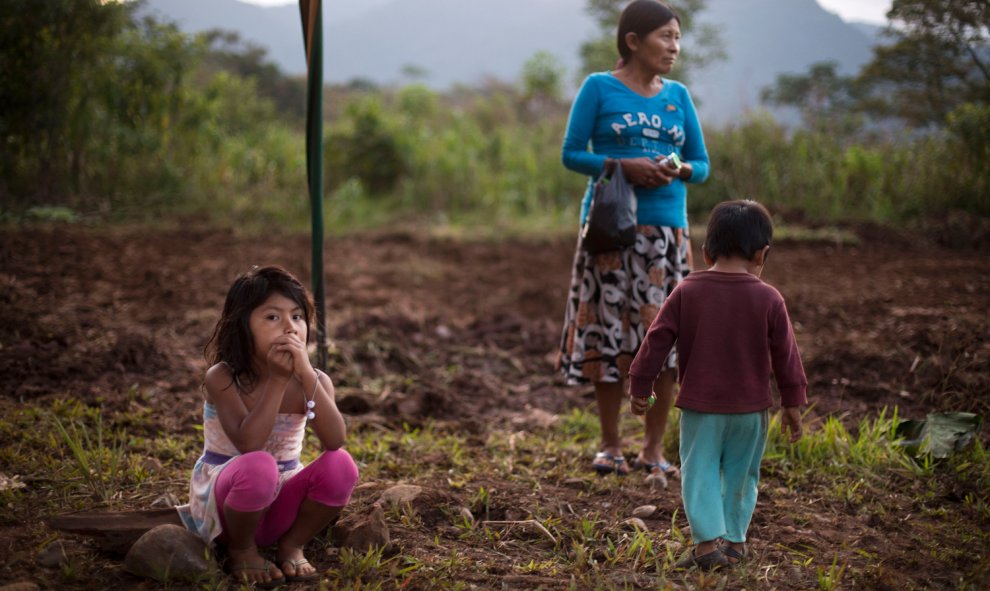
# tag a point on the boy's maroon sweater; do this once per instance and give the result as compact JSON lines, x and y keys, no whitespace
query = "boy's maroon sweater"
{"x":731,"y":329}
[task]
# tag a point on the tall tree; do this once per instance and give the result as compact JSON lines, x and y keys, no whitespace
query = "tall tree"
{"x":228,"y":52}
{"x":823,"y":96}
{"x":541,"y":75}
{"x":702,"y":46}
{"x":48,"y":53}
{"x":939,"y":59}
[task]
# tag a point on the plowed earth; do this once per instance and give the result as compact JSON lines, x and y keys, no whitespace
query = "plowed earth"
{"x":887,"y":322}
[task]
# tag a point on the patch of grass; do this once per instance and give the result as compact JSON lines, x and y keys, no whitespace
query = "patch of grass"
{"x":581,"y":425}
{"x":52,"y":213}
{"x":841,"y":473}
{"x":100,"y":459}
{"x":829,"y":448}
{"x":829,"y":234}
{"x":365,"y":571}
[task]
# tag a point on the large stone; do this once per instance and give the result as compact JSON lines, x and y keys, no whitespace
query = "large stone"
{"x":364,"y":532}
{"x":169,"y":552}
{"x":114,"y":532}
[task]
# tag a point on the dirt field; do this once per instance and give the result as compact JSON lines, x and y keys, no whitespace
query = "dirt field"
{"x":886,"y":322}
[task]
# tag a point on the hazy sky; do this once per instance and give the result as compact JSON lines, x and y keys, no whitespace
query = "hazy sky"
{"x":872,"y":11}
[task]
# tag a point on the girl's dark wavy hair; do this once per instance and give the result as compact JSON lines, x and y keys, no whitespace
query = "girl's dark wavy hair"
{"x":232,"y":342}
{"x":642,"y":17}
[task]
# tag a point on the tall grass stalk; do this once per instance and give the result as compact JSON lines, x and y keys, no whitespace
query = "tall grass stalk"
{"x":99,"y":458}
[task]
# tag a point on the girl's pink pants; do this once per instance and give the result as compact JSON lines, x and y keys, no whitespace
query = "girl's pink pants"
{"x":249,"y":481}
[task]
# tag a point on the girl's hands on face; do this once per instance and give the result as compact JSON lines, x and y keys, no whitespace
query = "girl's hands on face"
{"x":293,"y":346}
{"x":647,"y":172}
{"x":280,"y":361}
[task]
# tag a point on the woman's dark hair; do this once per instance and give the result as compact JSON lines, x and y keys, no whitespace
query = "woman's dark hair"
{"x":738,"y":228}
{"x":642,"y":17}
{"x":232,"y":342}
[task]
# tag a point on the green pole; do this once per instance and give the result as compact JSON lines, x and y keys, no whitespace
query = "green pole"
{"x":312,"y":21}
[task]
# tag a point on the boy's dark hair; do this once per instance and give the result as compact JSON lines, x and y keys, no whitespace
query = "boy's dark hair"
{"x":642,"y":17}
{"x":738,"y":228}
{"x":232,"y":342}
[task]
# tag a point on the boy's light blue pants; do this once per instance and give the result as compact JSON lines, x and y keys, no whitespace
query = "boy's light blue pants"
{"x":720,"y":468}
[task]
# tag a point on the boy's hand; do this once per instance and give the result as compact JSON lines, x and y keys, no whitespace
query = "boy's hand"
{"x":638,"y":405}
{"x":790,"y":420}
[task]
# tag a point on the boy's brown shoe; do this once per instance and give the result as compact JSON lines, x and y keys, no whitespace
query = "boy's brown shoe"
{"x":734,"y":556}
{"x":711,"y":561}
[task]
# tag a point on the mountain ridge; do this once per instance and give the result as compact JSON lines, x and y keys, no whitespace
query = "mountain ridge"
{"x":465,"y":42}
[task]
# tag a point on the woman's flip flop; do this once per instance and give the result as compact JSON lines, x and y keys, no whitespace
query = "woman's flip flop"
{"x":606,"y":463}
{"x":665,"y":467}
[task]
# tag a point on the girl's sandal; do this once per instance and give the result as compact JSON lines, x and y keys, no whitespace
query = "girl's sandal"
{"x":606,"y":463}
{"x":297,"y":578}
{"x":240,"y":570}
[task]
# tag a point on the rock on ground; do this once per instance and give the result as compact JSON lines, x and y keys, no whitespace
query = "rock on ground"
{"x":169,"y":552}
{"x":364,"y":532}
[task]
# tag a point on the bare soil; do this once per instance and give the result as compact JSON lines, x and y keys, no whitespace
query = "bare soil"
{"x":890,"y":321}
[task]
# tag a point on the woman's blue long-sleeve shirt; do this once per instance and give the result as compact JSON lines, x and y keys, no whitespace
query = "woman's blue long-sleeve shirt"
{"x":620,"y":123}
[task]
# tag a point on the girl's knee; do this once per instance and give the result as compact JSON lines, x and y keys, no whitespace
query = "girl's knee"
{"x":339,"y":465}
{"x":259,"y":464}
{"x":337,"y":475}
{"x":251,"y":480}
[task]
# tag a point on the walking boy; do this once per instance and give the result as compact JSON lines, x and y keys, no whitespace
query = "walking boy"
{"x":731,"y":330}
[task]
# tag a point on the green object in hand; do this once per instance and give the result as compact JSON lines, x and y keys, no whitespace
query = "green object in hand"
{"x":651,"y":400}
{"x":671,"y":160}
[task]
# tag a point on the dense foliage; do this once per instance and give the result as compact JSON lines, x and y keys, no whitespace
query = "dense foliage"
{"x":104,"y":114}
{"x":933,"y":78}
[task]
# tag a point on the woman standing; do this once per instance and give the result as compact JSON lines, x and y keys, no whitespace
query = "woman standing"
{"x":636,"y":117}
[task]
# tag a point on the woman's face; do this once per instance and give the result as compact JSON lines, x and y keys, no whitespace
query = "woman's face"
{"x":658,"y":50}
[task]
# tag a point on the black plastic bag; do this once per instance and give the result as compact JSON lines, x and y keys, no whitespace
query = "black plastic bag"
{"x":611,"y":221}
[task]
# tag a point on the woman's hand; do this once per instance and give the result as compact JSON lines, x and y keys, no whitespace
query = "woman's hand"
{"x":647,"y":172}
